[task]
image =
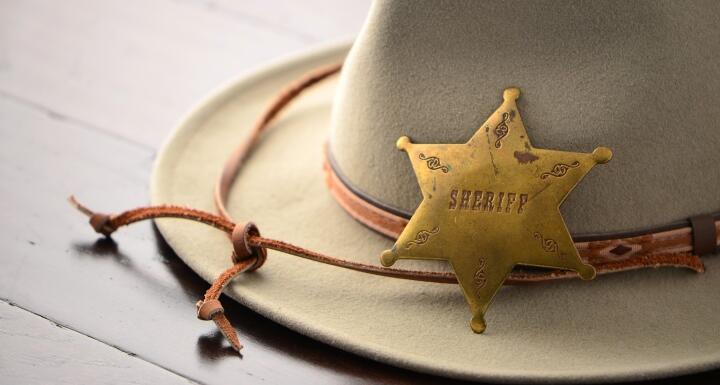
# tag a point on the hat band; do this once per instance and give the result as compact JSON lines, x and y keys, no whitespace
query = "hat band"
{"x":610,"y":252}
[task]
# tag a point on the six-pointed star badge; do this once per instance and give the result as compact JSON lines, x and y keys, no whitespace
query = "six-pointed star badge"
{"x":492,"y":203}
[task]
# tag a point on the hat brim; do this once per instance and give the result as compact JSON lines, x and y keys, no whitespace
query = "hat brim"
{"x":636,"y":325}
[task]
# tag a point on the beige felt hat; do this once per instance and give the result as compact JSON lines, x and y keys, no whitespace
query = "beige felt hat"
{"x":642,"y":78}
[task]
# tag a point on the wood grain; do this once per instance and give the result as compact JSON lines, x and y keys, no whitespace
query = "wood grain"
{"x":130,"y":68}
{"x":45,"y":351}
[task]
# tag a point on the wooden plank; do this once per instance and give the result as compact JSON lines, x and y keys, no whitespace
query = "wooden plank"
{"x":134,"y":294}
{"x":132,"y":68}
{"x":38,"y":351}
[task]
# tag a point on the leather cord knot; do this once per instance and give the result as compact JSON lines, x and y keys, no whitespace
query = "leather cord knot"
{"x":243,"y":249}
{"x":208,"y":309}
{"x":102,"y":224}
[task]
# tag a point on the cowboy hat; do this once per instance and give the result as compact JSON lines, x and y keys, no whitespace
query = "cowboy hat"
{"x":640,"y":78}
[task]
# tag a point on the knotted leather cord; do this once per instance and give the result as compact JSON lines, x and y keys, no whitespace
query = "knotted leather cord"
{"x":243,"y":261}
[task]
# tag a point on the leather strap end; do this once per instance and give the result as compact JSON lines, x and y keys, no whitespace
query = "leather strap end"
{"x":227,"y":330}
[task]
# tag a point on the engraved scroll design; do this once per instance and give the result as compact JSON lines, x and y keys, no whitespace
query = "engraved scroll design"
{"x":421,"y":237}
{"x":559,"y":170}
{"x":433,"y":163}
{"x":480,"y":279}
{"x":549,"y":245}
{"x":501,"y":130}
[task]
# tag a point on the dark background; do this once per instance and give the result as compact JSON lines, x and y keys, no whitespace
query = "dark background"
{"x":88,"y":91}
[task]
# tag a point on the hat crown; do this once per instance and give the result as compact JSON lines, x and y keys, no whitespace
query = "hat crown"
{"x":640,"y":78}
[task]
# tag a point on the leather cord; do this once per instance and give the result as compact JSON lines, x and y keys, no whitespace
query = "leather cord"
{"x":237,"y":158}
{"x":250,"y":248}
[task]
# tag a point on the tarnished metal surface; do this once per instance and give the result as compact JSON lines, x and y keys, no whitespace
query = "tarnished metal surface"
{"x":492,"y":203}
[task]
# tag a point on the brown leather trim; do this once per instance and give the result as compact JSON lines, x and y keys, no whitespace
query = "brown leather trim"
{"x":587,"y":237}
{"x":704,"y":234}
{"x":384,"y":222}
{"x":622,"y":251}
{"x":331,"y":163}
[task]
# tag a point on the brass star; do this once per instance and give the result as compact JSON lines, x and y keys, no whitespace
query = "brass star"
{"x":493,"y":203}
